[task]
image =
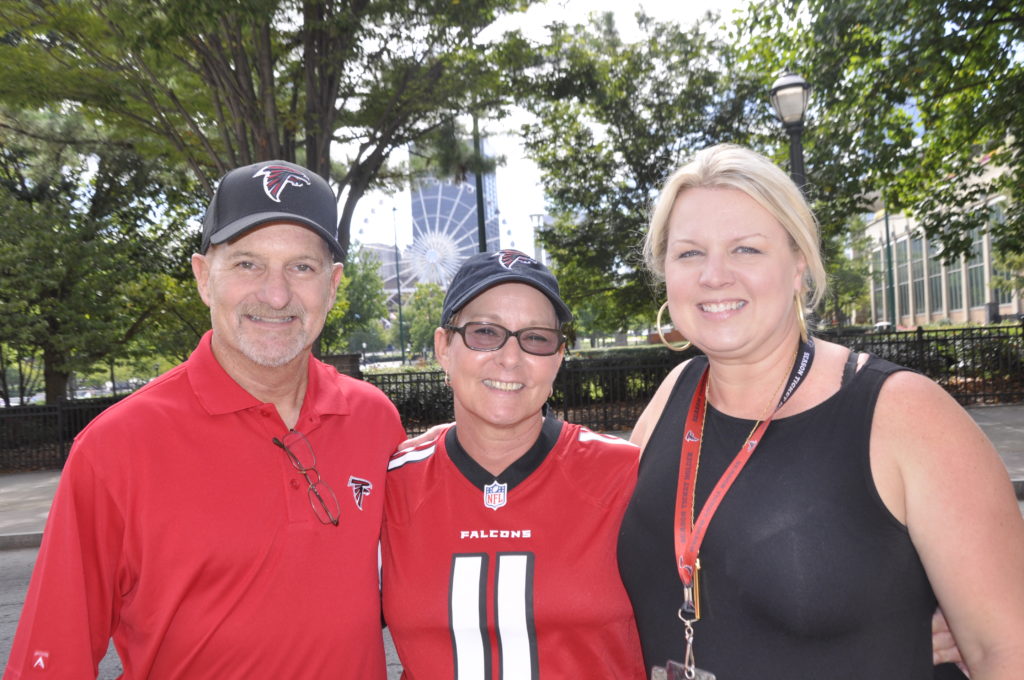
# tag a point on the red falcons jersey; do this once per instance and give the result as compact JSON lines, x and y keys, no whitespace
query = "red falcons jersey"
{"x":515,"y":577}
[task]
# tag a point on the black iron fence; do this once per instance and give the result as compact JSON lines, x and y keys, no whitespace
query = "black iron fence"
{"x":975,"y":365}
{"x":980,"y":365}
{"x":38,"y":437}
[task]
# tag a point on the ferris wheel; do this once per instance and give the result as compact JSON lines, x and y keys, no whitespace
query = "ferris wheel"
{"x":445,"y":230}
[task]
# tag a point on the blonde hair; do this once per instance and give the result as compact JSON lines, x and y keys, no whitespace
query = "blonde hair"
{"x":727,"y":166}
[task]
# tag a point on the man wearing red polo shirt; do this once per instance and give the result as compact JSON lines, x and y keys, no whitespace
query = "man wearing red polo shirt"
{"x":222,"y":522}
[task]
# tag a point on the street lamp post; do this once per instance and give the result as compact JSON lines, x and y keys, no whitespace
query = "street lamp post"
{"x":789,"y":95}
{"x":398,"y":281}
{"x":481,"y":220}
{"x":890,"y":287}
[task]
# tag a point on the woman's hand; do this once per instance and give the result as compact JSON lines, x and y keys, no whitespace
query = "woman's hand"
{"x":944,"y":649}
{"x":429,"y":435}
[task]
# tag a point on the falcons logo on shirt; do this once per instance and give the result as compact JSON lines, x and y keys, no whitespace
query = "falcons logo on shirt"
{"x":361,"y":488}
{"x":510,"y":258}
{"x":277,"y":177}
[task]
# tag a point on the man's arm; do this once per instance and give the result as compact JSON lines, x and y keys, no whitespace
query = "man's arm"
{"x":72,"y":601}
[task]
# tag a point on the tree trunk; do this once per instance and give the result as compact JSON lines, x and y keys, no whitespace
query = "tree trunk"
{"x":56,"y":381}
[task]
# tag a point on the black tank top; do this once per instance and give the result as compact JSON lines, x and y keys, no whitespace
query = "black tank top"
{"x":804,"y":572}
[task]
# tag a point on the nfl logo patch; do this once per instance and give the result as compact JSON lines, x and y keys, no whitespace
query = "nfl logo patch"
{"x":495,"y":495}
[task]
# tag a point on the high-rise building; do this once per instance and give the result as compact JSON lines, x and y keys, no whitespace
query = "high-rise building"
{"x":914,"y":284}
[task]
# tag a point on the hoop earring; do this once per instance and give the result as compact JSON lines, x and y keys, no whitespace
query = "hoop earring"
{"x":800,"y":318}
{"x":675,"y":348}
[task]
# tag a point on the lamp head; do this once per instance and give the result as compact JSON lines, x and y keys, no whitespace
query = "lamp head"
{"x":790,"y":94}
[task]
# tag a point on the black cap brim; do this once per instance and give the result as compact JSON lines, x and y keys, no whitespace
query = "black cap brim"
{"x":453,"y":306}
{"x":250,"y":222}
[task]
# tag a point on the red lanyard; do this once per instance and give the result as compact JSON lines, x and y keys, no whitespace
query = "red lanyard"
{"x":688,"y":533}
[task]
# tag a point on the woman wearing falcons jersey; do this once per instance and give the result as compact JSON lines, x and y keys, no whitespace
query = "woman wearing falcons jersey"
{"x":499,"y":534}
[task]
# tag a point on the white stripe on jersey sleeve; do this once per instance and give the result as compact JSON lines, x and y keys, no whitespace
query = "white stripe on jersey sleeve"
{"x":411,"y":456}
{"x":589,"y":436}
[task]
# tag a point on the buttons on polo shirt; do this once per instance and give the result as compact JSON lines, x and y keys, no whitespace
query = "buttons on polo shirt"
{"x":294,"y":483}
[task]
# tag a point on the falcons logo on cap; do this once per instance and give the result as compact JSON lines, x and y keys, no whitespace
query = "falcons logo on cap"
{"x":510,"y":258}
{"x":277,"y":177}
{"x":360,"y":489}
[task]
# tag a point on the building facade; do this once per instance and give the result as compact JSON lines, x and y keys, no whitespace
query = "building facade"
{"x":912,"y":286}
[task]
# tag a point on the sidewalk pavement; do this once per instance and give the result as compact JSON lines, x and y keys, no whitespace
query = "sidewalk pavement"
{"x":25,"y":497}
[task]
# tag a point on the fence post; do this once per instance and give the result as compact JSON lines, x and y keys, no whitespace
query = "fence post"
{"x":62,"y":428}
{"x":920,"y":351}
{"x":564,"y":371}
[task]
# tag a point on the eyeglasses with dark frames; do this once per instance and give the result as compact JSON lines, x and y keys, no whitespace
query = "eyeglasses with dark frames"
{"x":321,"y":496}
{"x":483,"y":336}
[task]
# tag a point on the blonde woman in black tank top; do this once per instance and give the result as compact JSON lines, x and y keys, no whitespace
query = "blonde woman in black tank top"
{"x":818,"y":544}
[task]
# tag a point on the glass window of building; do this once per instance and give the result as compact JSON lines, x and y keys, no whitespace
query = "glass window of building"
{"x":877,"y":286}
{"x":954,"y":284}
{"x":917,"y":272}
{"x":934,"y":277}
{"x":976,"y":271}
{"x":903,"y":274}
{"x":1000,"y":295}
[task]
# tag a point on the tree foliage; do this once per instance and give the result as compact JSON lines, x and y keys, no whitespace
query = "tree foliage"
{"x":613,"y":120}
{"x":916,"y":100}
{"x":848,"y":273}
{"x":21,"y":374}
{"x":423,"y":316}
{"x":83,"y":246}
{"x":448,"y":153}
{"x":361,"y":306}
{"x":214,"y":84}
{"x":173,"y":330}
{"x":1011,"y":273}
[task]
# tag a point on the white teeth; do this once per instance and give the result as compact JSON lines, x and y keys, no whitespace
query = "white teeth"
{"x":267,"y":319}
{"x":504,"y":386}
{"x":714,"y":307}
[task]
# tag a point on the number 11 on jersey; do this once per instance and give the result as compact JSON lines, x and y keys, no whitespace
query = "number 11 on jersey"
{"x":512,"y":614}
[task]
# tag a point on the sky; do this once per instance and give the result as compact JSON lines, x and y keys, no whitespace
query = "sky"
{"x":379,"y":217}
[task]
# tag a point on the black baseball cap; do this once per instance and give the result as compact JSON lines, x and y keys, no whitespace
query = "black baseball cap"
{"x":271,"y":191}
{"x":486,"y":270}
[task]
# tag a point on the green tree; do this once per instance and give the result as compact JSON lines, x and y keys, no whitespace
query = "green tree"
{"x":82,"y":248}
{"x":447,"y":152}
{"x":362,"y":304}
{"x":422,"y":316}
{"x":373,"y":339}
{"x":1011,"y":276}
{"x":917,"y":100}
{"x":848,"y":273}
{"x":173,"y":330}
{"x":214,"y":84}
{"x":21,"y":374}
{"x":613,"y":120}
